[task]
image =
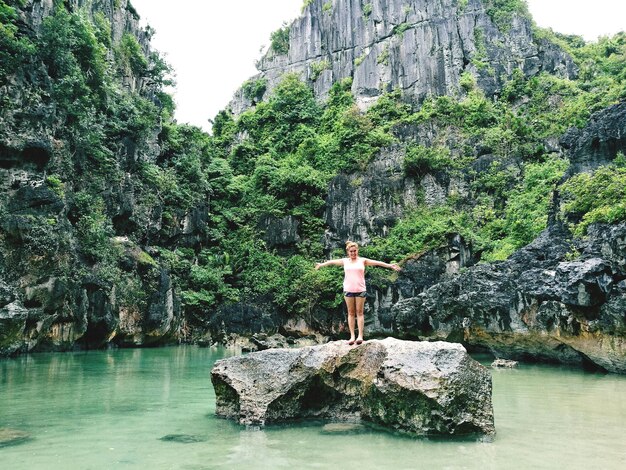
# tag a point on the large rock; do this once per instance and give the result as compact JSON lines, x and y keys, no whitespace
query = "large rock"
{"x":13,"y":318}
{"x":418,"y":387}
{"x":9,"y":437}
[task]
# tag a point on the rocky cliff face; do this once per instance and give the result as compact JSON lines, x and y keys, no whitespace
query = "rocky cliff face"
{"x":360,"y":206}
{"x":52,"y":297}
{"x":421,"y":47}
{"x":29,"y":120}
{"x":537,"y":305}
{"x":558,"y":299}
{"x":598,"y":142}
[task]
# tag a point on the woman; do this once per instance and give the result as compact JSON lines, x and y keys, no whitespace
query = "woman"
{"x":354,"y":290}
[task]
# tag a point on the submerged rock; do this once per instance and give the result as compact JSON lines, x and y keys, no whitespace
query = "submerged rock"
{"x":418,"y":387}
{"x":9,"y":437}
{"x":183,"y":438}
{"x":343,"y":428}
{"x":504,"y":363}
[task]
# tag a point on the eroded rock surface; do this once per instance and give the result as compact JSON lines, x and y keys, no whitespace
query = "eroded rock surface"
{"x":418,"y":387}
{"x":536,"y":305}
{"x":421,"y":47}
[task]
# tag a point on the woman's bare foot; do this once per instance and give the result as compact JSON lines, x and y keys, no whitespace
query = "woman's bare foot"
{"x":359,"y":340}
{"x":351,"y":342}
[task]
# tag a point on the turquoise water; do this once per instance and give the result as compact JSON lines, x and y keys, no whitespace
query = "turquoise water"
{"x":111,"y":409}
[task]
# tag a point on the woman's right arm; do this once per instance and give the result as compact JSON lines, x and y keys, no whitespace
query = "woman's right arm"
{"x":330,"y":262}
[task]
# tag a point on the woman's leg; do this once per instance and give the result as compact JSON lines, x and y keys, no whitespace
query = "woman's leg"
{"x":360,"y":317}
{"x":351,"y":305}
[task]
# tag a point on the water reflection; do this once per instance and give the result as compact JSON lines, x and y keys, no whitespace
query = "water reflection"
{"x":252,"y":449}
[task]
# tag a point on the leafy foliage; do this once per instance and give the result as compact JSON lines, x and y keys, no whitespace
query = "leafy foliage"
{"x":280,"y":40}
{"x":420,"y":160}
{"x":502,"y":11}
{"x":15,"y":47}
{"x":254,"y":90}
{"x":597,"y":197}
{"x":526,"y":211}
{"x":318,"y":67}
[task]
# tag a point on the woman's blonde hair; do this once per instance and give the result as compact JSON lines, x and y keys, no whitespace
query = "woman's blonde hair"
{"x":350,"y":244}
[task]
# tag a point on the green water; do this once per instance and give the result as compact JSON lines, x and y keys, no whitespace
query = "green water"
{"x":101,"y":410}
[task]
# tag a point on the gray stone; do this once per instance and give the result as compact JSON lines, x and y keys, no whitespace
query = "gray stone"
{"x":584,"y":283}
{"x":362,"y":206}
{"x":504,"y":363}
{"x":599,"y":141}
{"x":10,"y":437}
{"x":417,"y":387}
{"x":13,"y":318}
{"x":183,"y":438}
{"x":280,"y":232}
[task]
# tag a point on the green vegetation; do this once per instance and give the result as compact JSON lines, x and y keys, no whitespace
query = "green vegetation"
{"x":502,"y":11}
{"x":420,"y":230}
{"x":399,"y":29}
{"x":420,"y":160}
{"x":254,"y":90}
{"x":318,"y":67}
{"x":97,"y":125}
{"x":597,"y":197}
{"x":367,"y":10}
{"x":130,"y":57}
{"x":525,"y":212}
{"x":479,"y":59}
{"x":280,"y":40}
{"x":383,"y":57}
{"x":15,"y":49}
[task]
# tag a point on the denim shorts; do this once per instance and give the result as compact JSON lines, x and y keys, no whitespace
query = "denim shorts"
{"x":355,"y":294}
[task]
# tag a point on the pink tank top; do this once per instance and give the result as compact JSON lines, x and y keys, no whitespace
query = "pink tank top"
{"x":354,"y":279}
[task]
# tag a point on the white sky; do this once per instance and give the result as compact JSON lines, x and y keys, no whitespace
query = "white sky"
{"x":213,"y":44}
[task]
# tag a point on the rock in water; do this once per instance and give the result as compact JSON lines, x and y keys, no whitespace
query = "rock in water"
{"x":504,"y":363}
{"x":182,"y":438}
{"x":343,"y":428}
{"x":423,"y":388}
{"x":9,"y":437}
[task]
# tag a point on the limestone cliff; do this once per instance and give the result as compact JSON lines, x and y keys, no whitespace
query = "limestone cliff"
{"x":547,"y":302}
{"x":421,"y":47}
{"x":54,"y":148}
{"x":559,"y":299}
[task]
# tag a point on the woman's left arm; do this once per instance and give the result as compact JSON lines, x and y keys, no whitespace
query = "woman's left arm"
{"x":373,"y":262}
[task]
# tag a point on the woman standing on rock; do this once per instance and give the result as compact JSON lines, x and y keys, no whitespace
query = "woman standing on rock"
{"x":354,"y":290}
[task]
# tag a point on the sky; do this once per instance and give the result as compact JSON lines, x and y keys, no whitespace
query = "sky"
{"x":212,"y":45}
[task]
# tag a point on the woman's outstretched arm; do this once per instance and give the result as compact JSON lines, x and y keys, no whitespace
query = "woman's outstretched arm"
{"x":330,"y":262}
{"x":373,"y":262}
